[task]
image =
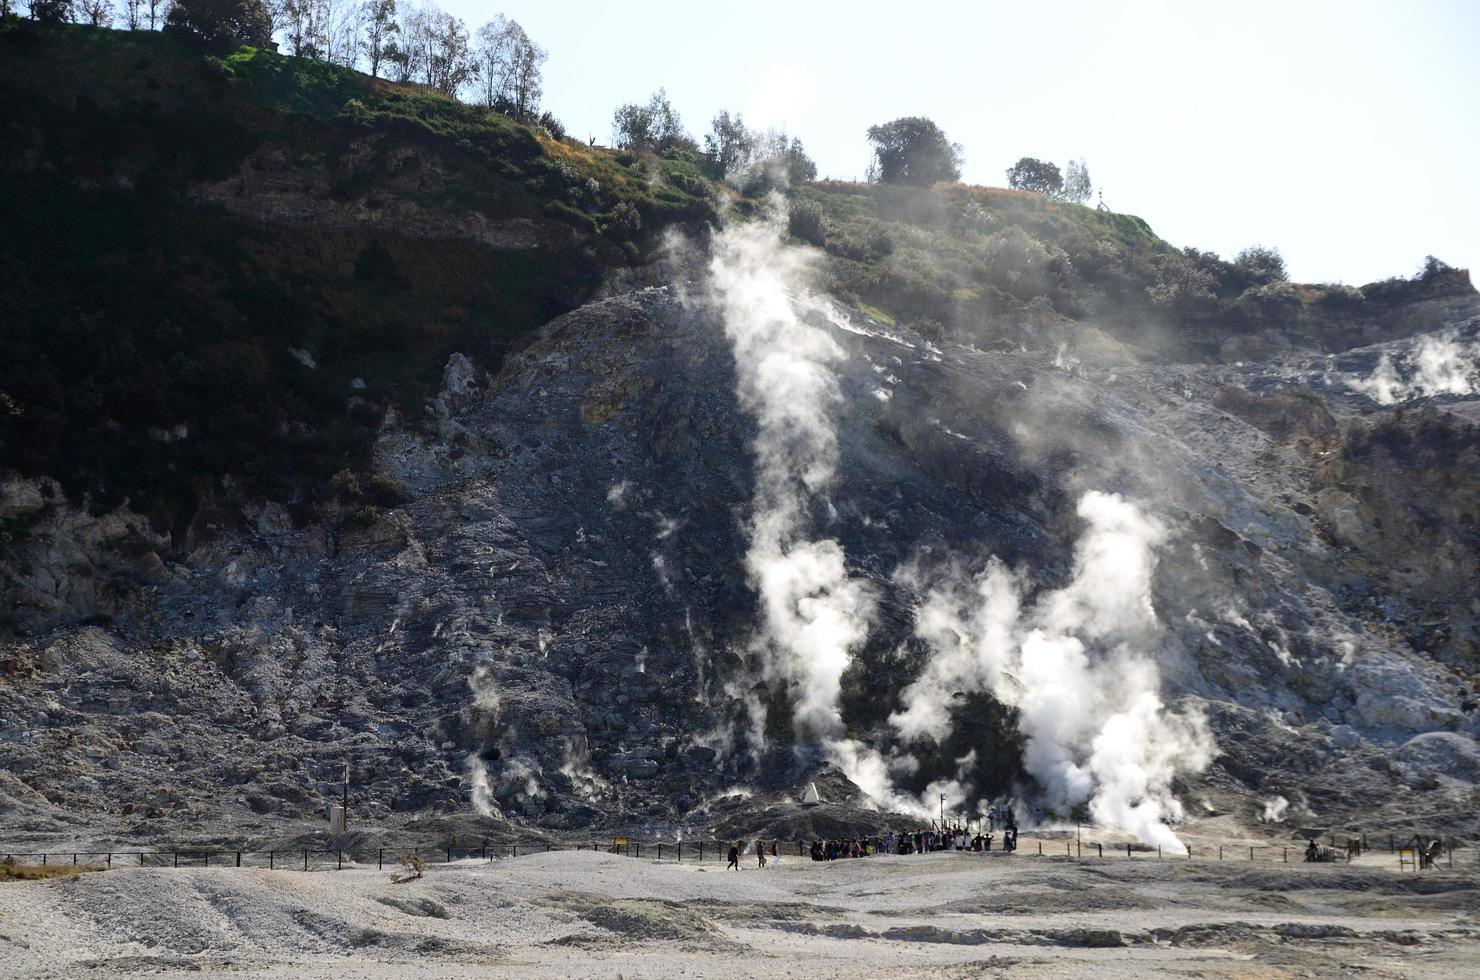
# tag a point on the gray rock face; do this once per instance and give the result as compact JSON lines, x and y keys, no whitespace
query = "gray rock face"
{"x":555,"y":628}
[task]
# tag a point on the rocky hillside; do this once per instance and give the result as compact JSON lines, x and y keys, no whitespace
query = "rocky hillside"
{"x":348,"y":429}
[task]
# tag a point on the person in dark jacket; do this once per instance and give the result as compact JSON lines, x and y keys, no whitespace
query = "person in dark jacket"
{"x":734,"y":856}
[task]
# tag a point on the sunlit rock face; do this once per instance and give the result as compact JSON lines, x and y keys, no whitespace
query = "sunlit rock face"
{"x":557,"y":624}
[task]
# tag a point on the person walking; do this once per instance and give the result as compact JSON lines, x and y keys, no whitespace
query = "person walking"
{"x":760,"y":853}
{"x":734,"y":856}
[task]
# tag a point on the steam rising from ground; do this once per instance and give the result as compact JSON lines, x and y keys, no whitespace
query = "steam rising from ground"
{"x":1074,"y":664}
{"x":814,"y":613}
{"x":1440,"y":365}
{"x":486,"y":704}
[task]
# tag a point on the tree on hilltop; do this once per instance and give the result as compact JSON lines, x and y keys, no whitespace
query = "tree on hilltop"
{"x":1030,"y":174}
{"x":509,"y":68}
{"x":223,"y":21}
{"x":1077,"y":186}
{"x":97,"y":13}
{"x":50,"y":11}
{"x":729,"y":144}
{"x":1262,"y":264}
{"x":381,"y":31}
{"x":654,"y":126}
{"x":913,"y":150}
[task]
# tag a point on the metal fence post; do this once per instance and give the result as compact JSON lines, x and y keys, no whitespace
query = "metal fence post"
{"x":1251,"y":854}
{"x":380,"y":859}
{"x":1101,"y":849}
{"x":305,"y":859}
{"x":701,"y":850}
{"x":1158,"y":850}
{"x":1285,"y":854}
{"x":74,"y":859}
{"x":1127,"y":850}
{"x":238,"y":859}
{"x":1220,"y":852}
{"x":271,"y":860}
{"x":339,"y":859}
{"x":177,"y":858}
{"x":1451,"y":859}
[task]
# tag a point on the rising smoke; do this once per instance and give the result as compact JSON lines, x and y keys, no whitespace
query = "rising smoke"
{"x":814,"y":613}
{"x":1074,"y":664}
{"x":486,"y":706}
{"x":1442,"y":364}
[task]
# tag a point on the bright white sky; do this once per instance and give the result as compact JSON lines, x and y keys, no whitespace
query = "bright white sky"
{"x":1346,"y":134}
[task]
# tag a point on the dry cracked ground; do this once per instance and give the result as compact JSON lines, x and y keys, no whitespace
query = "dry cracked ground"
{"x":598,"y":915}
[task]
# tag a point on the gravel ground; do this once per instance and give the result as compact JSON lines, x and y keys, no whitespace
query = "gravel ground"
{"x":587,"y":914}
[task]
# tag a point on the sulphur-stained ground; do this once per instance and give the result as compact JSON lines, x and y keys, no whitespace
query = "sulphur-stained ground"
{"x":598,"y":915}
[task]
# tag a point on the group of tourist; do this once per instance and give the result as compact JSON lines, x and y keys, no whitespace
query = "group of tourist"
{"x":913,"y":842}
{"x":954,"y":837}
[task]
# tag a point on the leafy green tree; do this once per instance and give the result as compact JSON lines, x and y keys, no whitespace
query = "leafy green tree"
{"x":788,"y":159}
{"x":223,"y":21}
{"x":51,"y":11}
{"x":729,"y":145}
{"x":913,"y":150}
{"x":1030,"y":174}
{"x":1262,"y":264}
{"x":654,"y":126}
{"x":1077,"y":186}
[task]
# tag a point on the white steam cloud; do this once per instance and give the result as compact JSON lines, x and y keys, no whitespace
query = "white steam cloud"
{"x":814,"y":613}
{"x":1442,"y":364}
{"x":1074,"y":666}
{"x":486,"y":704}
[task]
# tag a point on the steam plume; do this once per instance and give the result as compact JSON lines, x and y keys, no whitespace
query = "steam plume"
{"x":1074,"y":667}
{"x":813,"y":612}
{"x":1439,"y":365}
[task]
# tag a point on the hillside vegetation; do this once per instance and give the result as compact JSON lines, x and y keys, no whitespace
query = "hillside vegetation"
{"x":185,"y":234}
{"x":991,"y":265}
{"x":224,"y":267}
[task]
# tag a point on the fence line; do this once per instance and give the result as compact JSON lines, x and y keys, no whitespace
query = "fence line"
{"x":316,"y":859}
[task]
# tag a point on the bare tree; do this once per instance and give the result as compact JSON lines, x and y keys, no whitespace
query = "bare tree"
{"x":340,"y":22}
{"x":159,"y":11}
{"x":133,"y":14}
{"x":380,"y":32}
{"x":295,"y":20}
{"x":509,"y":68}
{"x":437,"y":48}
{"x":98,"y":13}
